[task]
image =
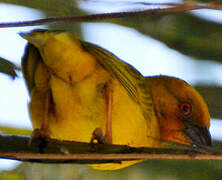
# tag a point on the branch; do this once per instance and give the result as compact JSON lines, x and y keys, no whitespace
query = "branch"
{"x":54,"y":151}
{"x":103,"y":16}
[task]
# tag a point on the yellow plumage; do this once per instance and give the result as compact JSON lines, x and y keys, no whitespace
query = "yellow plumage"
{"x":71,"y":75}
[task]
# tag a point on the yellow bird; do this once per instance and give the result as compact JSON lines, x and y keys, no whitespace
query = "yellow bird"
{"x":80,"y":91}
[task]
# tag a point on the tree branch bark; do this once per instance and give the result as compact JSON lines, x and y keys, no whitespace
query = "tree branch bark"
{"x":54,"y":151}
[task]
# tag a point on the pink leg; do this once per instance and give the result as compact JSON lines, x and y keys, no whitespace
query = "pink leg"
{"x":43,"y":131}
{"x":97,"y":133}
{"x":109,"y":101}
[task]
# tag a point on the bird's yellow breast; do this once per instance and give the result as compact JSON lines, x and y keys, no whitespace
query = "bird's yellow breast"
{"x":79,"y":108}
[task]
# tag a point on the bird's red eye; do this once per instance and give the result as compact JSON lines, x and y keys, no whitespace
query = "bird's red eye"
{"x":185,"y":108}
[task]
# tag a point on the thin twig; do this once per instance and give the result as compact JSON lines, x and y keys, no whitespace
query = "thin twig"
{"x":101,"y":158}
{"x":103,"y":16}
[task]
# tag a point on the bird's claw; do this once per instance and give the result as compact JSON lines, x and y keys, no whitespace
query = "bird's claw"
{"x":98,"y":136}
{"x":40,"y":135}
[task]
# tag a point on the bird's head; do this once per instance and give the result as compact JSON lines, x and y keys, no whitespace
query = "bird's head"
{"x":182,"y":113}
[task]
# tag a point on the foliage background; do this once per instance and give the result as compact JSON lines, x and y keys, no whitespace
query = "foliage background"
{"x":190,"y":35}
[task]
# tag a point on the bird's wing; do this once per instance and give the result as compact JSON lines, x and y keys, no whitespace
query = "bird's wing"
{"x":132,"y":80}
{"x":29,"y":64}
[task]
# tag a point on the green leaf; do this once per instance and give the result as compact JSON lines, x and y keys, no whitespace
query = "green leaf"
{"x":13,"y":130}
{"x":8,"y":68}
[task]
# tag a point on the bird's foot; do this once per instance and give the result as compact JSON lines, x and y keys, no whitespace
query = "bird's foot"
{"x":97,"y":135}
{"x":40,"y":137}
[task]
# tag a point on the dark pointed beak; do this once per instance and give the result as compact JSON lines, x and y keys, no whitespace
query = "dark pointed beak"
{"x":199,"y":136}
